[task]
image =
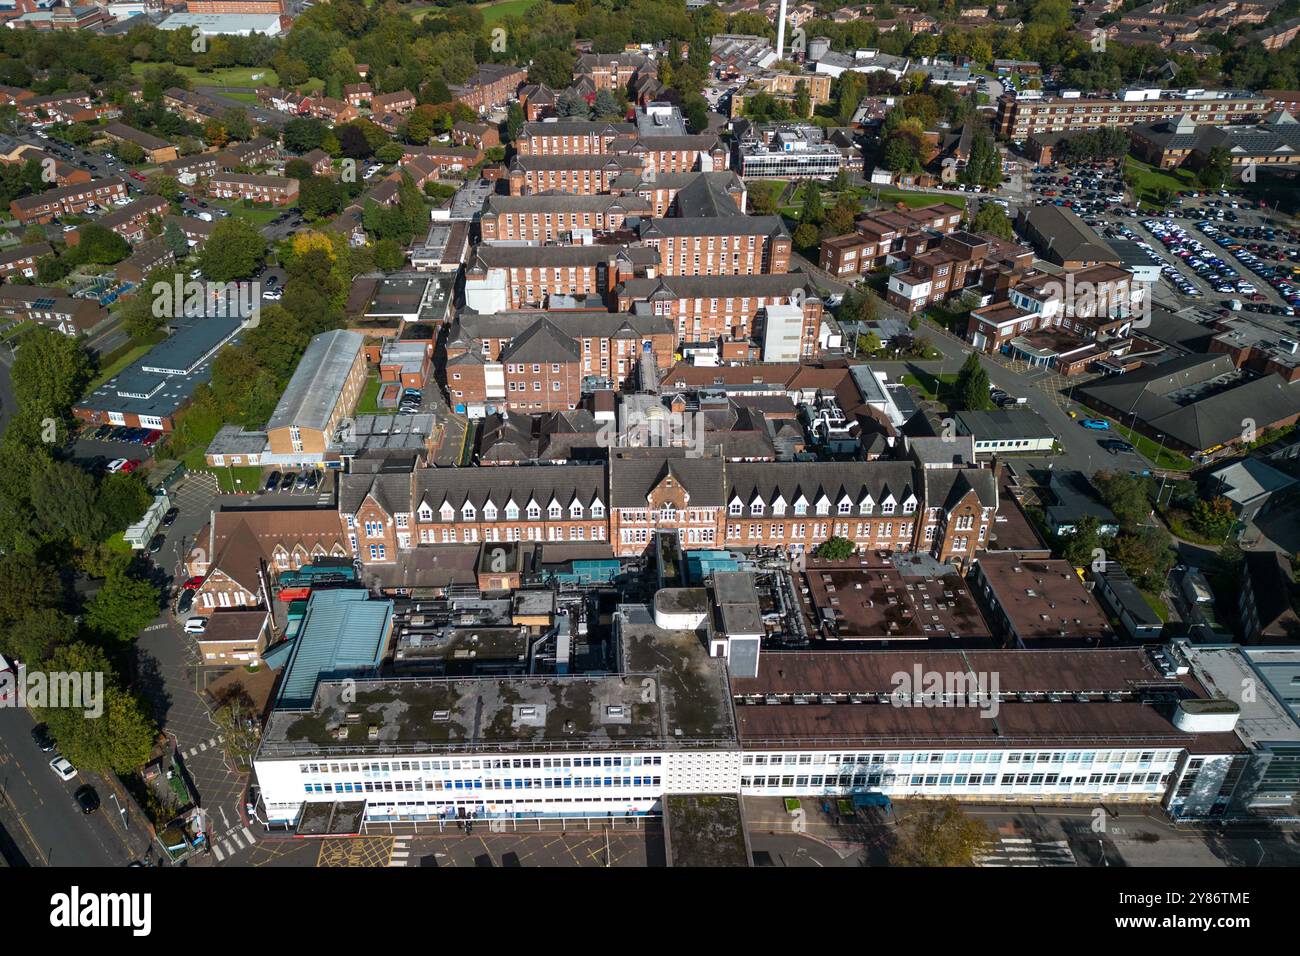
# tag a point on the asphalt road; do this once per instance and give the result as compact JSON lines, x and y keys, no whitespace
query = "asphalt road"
{"x":41,"y":816}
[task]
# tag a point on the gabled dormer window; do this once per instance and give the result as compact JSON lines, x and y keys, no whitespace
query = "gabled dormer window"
{"x":597,"y":509}
{"x":909,"y":506}
{"x":887,"y":506}
{"x":845,"y":506}
{"x":575,"y":509}
{"x":756,"y":508}
{"x":534,"y":511}
{"x":823,"y":506}
{"x":800,"y":507}
{"x":866,"y":506}
{"x":447,"y":511}
{"x":512,"y":510}
{"x":489,"y":512}
{"x":425,"y":512}
{"x":468,"y":511}
{"x":778,"y":506}
{"x":737,"y":507}
{"x":554,"y":511}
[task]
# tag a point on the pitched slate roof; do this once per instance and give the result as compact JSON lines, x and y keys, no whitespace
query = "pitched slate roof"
{"x":563,"y":483}
{"x":813,"y":480}
{"x":635,"y":472}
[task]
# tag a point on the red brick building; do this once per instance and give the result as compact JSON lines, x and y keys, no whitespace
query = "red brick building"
{"x":727,"y":308}
{"x":492,"y":85}
{"x":718,"y":245}
{"x":274,"y":190}
{"x":880,"y":234}
{"x":67,"y":200}
{"x":546,"y":218}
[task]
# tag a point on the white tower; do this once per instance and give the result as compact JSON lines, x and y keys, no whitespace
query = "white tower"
{"x":780,"y":32}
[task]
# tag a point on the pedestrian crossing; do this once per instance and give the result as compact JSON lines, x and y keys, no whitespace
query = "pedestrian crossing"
{"x":206,"y":745}
{"x":1023,"y":851}
{"x":400,"y":853}
{"x":232,"y":843}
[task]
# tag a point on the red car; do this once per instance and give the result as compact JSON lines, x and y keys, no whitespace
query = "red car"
{"x":131,"y":466}
{"x":151,"y":439}
{"x":139,"y":176}
{"x":193,"y":584}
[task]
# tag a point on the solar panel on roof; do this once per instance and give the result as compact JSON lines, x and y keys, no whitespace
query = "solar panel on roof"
{"x":43,"y":303}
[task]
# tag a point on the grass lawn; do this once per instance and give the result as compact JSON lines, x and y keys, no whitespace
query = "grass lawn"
{"x":1150,"y":179}
{"x":1158,"y":605}
{"x":257,"y":215}
{"x":228,"y":76}
{"x":248,"y":478}
{"x":242,"y":97}
{"x":368,"y":403}
{"x":492,"y":11}
{"x":914,"y":199}
{"x":118,"y":361}
{"x":932,"y":387}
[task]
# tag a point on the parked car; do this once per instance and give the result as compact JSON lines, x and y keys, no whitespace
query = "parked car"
{"x":116,"y":465}
{"x":43,"y":739}
{"x":1100,"y":424}
{"x":62,"y":768}
{"x":185,"y":602}
{"x":272,"y":481}
{"x":286,"y":483}
{"x":87,"y":798}
{"x":196,"y":625}
{"x":130,"y":466}
{"x":156,"y":543}
{"x":193,"y":584}
{"x":170,"y":517}
{"x":151,"y":439}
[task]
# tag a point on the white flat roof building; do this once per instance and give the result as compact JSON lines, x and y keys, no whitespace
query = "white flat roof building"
{"x":224,"y":24}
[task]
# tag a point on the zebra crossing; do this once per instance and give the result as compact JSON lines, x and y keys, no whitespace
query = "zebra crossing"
{"x":1023,"y":851}
{"x":400,"y":853}
{"x":233,"y":842}
{"x":206,"y":745}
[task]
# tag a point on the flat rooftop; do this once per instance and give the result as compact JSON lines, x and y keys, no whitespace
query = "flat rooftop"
{"x":1043,"y":599}
{"x":877,"y":603}
{"x":1270,"y":717}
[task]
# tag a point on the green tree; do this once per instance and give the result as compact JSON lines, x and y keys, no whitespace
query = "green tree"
{"x":1127,"y":496}
{"x":120,"y":739}
{"x":1213,"y":517}
{"x":26,"y":587}
{"x":34,"y":637}
{"x":235,"y":250}
{"x":972,"y":386}
{"x":553,"y":67}
{"x":813,"y":211}
{"x":388,"y":255}
{"x":938,"y":833}
{"x":806,"y":236}
{"x":122,"y":500}
{"x":123,"y":606}
{"x":1217,"y":169}
{"x":50,"y":372}
{"x":991,"y":219}
{"x":836,"y":549}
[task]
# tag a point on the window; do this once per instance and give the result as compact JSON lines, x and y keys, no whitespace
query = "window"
{"x":377,"y":552}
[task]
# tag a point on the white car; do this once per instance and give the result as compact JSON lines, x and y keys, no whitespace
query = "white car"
{"x":62,"y":768}
{"x":272,"y":295}
{"x":196,"y":625}
{"x":116,"y":465}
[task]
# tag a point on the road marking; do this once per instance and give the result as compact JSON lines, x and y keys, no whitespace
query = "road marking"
{"x":216,"y":851}
{"x":248,"y":835}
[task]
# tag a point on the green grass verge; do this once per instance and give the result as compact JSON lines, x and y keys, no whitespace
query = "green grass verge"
{"x":1164,"y":457}
{"x":226,"y":76}
{"x":368,"y":403}
{"x":257,"y":215}
{"x":915,"y":199}
{"x":118,"y":360}
{"x":1149,"y":179}
{"x":931,"y":387}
